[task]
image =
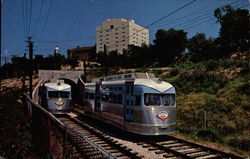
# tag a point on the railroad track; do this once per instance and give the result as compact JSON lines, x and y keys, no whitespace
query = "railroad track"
{"x":171,"y":147}
{"x":105,"y":142}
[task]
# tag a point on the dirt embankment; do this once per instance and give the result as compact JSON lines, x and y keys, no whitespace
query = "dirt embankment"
{"x":14,"y":124}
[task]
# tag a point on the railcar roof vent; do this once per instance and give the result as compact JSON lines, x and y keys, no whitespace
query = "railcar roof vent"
{"x":126,"y":76}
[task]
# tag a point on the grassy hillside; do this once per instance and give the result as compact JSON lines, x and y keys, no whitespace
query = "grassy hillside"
{"x":213,"y":100}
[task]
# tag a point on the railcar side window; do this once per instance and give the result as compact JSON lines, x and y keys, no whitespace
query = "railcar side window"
{"x":119,"y":99}
{"x":86,"y":95}
{"x":53,"y":94}
{"x":91,"y":95}
{"x":105,"y":97}
{"x":137,"y":100}
{"x":64,"y":94}
{"x":128,"y":89}
{"x":115,"y":97}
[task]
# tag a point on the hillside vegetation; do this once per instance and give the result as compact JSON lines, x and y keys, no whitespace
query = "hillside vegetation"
{"x":213,"y":100}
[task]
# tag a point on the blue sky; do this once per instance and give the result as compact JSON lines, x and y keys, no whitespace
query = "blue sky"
{"x":68,"y":23}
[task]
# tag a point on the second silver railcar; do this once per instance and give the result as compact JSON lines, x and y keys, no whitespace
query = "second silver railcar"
{"x":136,"y":102}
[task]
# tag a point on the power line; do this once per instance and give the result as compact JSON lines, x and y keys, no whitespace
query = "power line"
{"x":193,"y":20}
{"x":205,"y":14}
{"x":123,"y":26}
{"x":38,"y":19}
{"x":187,"y":15}
{"x":30,"y":16}
{"x":46,"y":20}
{"x":26,"y":16}
{"x":187,"y":23}
{"x":156,"y":21}
{"x":202,"y":22}
{"x":170,"y":13}
{"x":66,"y":41}
{"x":23,"y":18}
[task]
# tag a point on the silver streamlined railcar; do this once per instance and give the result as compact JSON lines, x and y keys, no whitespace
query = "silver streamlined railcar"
{"x":136,"y":102}
{"x":56,"y":97}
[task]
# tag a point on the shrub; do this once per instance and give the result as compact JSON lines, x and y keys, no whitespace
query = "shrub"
{"x":211,"y":65}
{"x":241,"y":142}
{"x":208,"y":135}
{"x":174,"y":72}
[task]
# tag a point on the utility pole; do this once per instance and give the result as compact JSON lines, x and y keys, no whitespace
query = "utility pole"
{"x":23,"y":80}
{"x":30,"y":46}
{"x":106,"y":57}
{"x":84,"y":71}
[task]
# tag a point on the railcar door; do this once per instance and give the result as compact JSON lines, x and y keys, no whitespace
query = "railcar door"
{"x":129,"y":100}
{"x":97,"y":105}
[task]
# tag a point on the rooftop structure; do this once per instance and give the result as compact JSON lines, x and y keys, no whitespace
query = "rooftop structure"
{"x":82,"y":53}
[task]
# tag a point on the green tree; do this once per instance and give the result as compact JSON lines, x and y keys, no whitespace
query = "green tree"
{"x":234,"y":31}
{"x":134,"y":55}
{"x":169,"y":44}
{"x":72,"y":62}
{"x":201,"y":48}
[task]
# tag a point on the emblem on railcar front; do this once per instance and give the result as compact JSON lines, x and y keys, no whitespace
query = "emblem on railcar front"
{"x":59,"y":103}
{"x":163,"y":115}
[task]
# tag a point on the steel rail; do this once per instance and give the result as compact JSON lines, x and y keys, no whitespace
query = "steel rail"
{"x":65,"y":127}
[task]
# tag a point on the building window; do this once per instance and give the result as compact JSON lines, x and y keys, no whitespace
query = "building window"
{"x":123,"y":28}
{"x":107,"y":38}
{"x":123,"y":40}
{"x":100,"y":31}
{"x":100,"y":39}
{"x":111,"y":26}
{"x":116,"y":33}
{"x":107,"y":42}
{"x":107,"y":34}
{"x":100,"y":43}
{"x":116,"y":29}
{"x":116,"y":37}
{"x":123,"y":32}
{"x":107,"y":31}
{"x":100,"y":35}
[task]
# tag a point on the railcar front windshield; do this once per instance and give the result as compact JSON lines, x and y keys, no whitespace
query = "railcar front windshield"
{"x":159,"y":99}
{"x":58,"y":94}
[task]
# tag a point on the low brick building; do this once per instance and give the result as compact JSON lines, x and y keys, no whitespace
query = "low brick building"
{"x":82,"y":53}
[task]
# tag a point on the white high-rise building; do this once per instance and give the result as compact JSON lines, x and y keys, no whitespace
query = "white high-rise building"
{"x":117,"y":34}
